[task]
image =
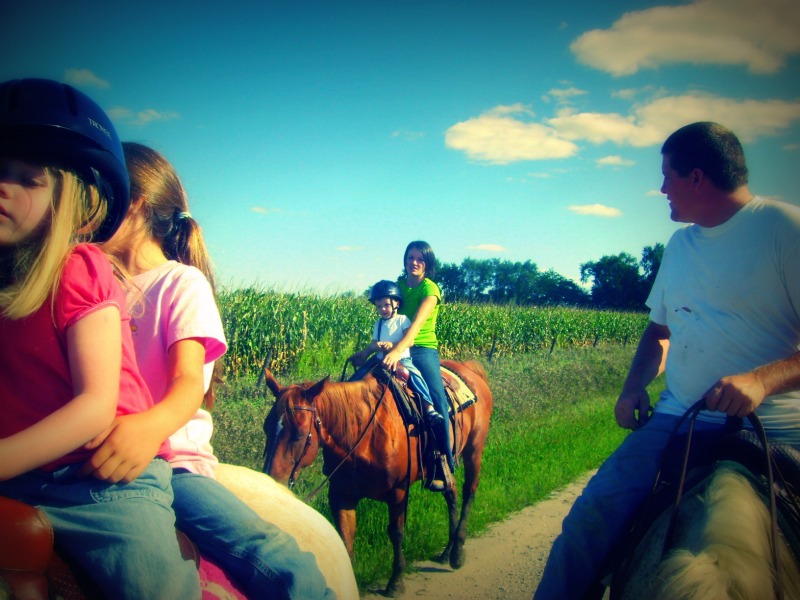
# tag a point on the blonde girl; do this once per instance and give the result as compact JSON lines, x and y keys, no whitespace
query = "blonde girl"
{"x":68,"y":365}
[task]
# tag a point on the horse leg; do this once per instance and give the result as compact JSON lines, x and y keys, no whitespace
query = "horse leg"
{"x":344,"y":518}
{"x":396,"y":532}
{"x":458,"y":535}
{"x":452,"y":519}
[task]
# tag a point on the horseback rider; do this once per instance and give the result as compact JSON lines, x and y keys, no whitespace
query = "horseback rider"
{"x":388,"y":330}
{"x":724,"y":306}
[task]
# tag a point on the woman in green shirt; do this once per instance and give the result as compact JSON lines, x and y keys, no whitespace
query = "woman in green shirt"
{"x":421,"y":300}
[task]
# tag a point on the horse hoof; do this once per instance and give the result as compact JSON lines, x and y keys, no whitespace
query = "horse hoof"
{"x":443,"y":558}
{"x":393,"y":589}
{"x":457,"y":558}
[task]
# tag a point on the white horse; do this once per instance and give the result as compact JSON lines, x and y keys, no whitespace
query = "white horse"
{"x":276,"y":504}
{"x":721,"y":548}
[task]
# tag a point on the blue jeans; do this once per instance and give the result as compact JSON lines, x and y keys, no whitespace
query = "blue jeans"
{"x":427,"y":361}
{"x":416,"y":381}
{"x":122,"y":534}
{"x":263,"y":558}
{"x":603,"y":512}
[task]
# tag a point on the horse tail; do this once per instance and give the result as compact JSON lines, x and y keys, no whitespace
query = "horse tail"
{"x":477,"y":368}
{"x":733,"y":560}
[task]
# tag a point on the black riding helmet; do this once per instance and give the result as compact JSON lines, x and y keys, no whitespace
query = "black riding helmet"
{"x":385,"y":289}
{"x":44,"y":120}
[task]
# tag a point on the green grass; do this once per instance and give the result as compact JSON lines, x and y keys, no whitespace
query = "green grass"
{"x":553,"y":421}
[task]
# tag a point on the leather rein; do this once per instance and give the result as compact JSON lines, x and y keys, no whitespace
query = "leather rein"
{"x":318,"y":426}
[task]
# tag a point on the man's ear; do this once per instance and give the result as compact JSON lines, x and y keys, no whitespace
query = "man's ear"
{"x":697,"y":177}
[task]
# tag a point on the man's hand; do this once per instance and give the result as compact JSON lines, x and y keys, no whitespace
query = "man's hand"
{"x":628,"y":403}
{"x":736,"y":395}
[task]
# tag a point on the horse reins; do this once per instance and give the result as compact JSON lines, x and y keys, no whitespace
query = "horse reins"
{"x":317,"y":426}
{"x":692,"y":414}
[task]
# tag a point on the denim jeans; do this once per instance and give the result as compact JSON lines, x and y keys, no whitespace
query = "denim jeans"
{"x":122,"y":534}
{"x":262,"y":557}
{"x":416,"y":381}
{"x":602,"y":513}
{"x":427,"y":362}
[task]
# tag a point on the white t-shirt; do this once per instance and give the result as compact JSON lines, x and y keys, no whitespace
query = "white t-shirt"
{"x":175,"y":302}
{"x":392,"y":330}
{"x":730,"y":296}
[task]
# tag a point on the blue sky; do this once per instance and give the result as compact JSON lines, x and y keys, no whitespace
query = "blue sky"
{"x":316,"y":139}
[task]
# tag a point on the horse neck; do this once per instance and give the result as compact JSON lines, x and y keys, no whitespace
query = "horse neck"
{"x":345,"y":411}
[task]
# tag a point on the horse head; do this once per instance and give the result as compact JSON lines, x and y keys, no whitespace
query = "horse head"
{"x":292,"y":429}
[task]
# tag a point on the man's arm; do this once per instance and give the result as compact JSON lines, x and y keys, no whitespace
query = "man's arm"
{"x":647,"y":363}
{"x":740,"y":395}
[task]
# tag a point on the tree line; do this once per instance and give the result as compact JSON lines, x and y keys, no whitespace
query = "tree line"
{"x":618,"y":282}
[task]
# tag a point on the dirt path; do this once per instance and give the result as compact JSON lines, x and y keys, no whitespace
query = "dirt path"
{"x":505,"y":563}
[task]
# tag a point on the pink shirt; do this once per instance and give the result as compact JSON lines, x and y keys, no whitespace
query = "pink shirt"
{"x":175,"y":302}
{"x":35,"y":378}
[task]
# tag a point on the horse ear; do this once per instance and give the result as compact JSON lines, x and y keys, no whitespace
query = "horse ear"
{"x":272,"y":383}
{"x":316,"y":389}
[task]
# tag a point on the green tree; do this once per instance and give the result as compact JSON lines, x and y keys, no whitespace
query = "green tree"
{"x":616,"y":282}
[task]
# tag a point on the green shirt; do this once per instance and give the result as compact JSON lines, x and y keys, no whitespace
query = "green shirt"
{"x":412,"y":298}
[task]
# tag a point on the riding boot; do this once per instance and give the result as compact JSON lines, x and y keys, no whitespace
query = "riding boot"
{"x":442,"y":435}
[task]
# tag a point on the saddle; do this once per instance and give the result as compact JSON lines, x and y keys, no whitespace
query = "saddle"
{"x":32,"y":568}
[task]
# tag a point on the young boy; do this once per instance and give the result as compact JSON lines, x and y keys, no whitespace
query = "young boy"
{"x":388,"y":330}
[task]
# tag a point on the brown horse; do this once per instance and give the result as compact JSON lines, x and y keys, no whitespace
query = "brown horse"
{"x":359,"y":427}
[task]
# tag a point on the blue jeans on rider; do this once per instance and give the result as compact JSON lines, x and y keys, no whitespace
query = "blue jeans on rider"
{"x":263,"y":558}
{"x":123,"y":534}
{"x":427,"y":361}
{"x":601,"y":515}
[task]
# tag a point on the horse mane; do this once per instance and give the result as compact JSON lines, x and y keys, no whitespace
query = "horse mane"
{"x":339,"y":403}
{"x":735,"y":558}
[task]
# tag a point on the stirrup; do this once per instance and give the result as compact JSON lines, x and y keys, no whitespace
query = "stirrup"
{"x":439,"y":478}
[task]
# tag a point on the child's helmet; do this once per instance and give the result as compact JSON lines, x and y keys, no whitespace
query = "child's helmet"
{"x":385,"y":289}
{"x":44,"y":119}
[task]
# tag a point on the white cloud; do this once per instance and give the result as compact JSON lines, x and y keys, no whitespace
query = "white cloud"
{"x":652,"y":122}
{"x":498,"y":136}
{"x":564,"y":95}
{"x":488,"y":248}
{"x":409,"y":136}
{"x":143,"y":117}
{"x":264,"y":210}
{"x":85,"y":78}
{"x":614,"y":161}
{"x":758,"y":35}
{"x":350,"y":248}
{"x":595,"y":210}
{"x":502,"y":136}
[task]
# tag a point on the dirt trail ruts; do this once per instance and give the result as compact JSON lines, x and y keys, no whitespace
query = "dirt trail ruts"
{"x":503,"y":563}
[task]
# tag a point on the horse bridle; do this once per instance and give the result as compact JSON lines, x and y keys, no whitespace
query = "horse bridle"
{"x":309,"y":437}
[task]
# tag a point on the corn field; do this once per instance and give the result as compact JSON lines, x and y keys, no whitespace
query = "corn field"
{"x":287,"y":325}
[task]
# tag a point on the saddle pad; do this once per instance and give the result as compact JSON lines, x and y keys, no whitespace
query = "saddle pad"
{"x":459,"y":391}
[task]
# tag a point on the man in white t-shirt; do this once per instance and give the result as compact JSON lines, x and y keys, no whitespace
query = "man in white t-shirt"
{"x":724,"y":306}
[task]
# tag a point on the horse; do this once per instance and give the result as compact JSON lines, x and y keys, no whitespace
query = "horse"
{"x":721,"y":533}
{"x":276,"y":504}
{"x":359,"y":427}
